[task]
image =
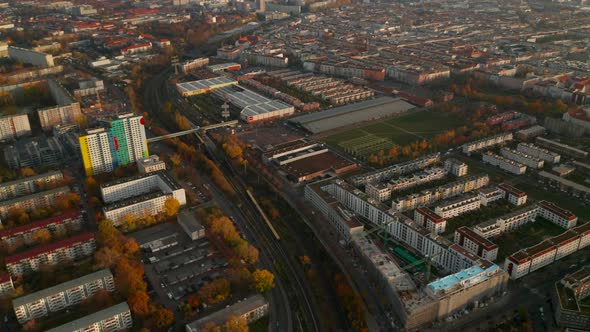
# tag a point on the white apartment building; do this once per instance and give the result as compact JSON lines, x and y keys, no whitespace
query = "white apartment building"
{"x":522,"y":158}
{"x":70,"y":249}
{"x":458,"y":206}
{"x":489,"y":195}
{"x":548,"y":251}
{"x":476,"y":244}
{"x":61,"y":223}
{"x":150,"y":164}
{"x":61,"y":114}
{"x":428,"y":175}
{"x":6,"y":285}
{"x":96,"y":152}
{"x":125,"y":188}
{"x":513,"y":195}
{"x":59,"y":297}
{"x":33,"y":201}
{"x":430,"y":220}
{"x":189,"y":65}
{"x":378,"y":191}
{"x":507,"y":222}
{"x":115,"y":318}
{"x":387,"y":173}
{"x":504,"y":163}
{"x":28,"y":185}
{"x":136,"y":207}
{"x":456,"y":167}
{"x":481,"y":144}
{"x":539,"y":152}
{"x":14,"y":126}
{"x":561,"y":217}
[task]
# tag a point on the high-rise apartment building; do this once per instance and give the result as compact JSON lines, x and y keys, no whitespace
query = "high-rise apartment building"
{"x":124,"y":142}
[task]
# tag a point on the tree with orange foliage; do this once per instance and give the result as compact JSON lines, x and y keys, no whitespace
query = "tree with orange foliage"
{"x":236,"y":324}
{"x":263,"y":281}
{"x":139,"y":303}
{"x":41,"y":236}
{"x":27,"y":171}
{"x":163,"y":318}
{"x":100,"y":300}
{"x":215,"y":291}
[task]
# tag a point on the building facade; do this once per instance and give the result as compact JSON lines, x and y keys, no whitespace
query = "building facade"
{"x":115,"y":318}
{"x":33,"y":201}
{"x":513,"y":195}
{"x":458,"y":206}
{"x":539,"y":152}
{"x":506,"y":164}
{"x":71,"y":249}
{"x":57,"y":224}
{"x":456,"y":167}
{"x":29,"y":185}
{"x":561,"y":217}
{"x":61,"y":114}
{"x":150,"y":164}
{"x":14,"y":126}
{"x":476,"y":243}
{"x":430,"y":220}
{"x":59,"y":297}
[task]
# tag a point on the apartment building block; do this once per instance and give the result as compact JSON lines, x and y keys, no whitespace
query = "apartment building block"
{"x":458,"y":206}
{"x":150,"y":164}
{"x":57,"y":224}
{"x":476,"y":243}
{"x":33,"y":201}
{"x":504,"y":163}
{"x":6,"y":285}
{"x":378,"y":191}
{"x":508,"y":222}
{"x":456,"y":167}
{"x":539,"y":152}
{"x":71,"y":249}
{"x":59,"y":297}
{"x":14,"y":126}
{"x":561,"y":217}
{"x":430,"y":220}
{"x":115,"y":318}
{"x":489,"y":195}
{"x":420,"y":178}
{"x":513,"y":195}
{"x":523,"y":158}
{"x":487,"y":142}
{"x":387,"y":173}
{"x":28,"y":185}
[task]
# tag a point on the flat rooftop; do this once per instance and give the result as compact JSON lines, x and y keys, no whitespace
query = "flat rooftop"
{"x":205,"y":84}
{"x":84,"y":322}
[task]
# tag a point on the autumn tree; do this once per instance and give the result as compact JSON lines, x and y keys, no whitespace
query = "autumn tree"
{"x":171,"y":206}
{"x":100,"y":300}
{"x":41,"y":236}
{"x":210,"y":327}
{"x":236,"y":324}
{"x":163,"y":318}
{"x":263,"y":280}
{"x":27,"y":171}
{"x":139,"y":303}
{"x":215,"y":291}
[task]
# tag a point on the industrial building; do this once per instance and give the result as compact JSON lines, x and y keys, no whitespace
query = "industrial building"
{"x":28,"y":185}
{"x":115,"y":318}
{"x":58,"y":224}
{"x":59,"y":297}
{"x":253,"y":106}
{"x":476,"y":243}
{"x":124,"y":142}
{"x":70,"y":249}
{"x":140,"y":195}
{"x":547,"y":251}
{"x":33,"y":201}
{"x":523,"y":158}
{"x":487,"y":142}
{"x":14,"y":126}
{"x":504,"y":163}
{"x":192,"y":88}
{"x":378,"y":108}
{"x":251,"y":309}
{"x":539,"y":152}
{"x":570,"y":310}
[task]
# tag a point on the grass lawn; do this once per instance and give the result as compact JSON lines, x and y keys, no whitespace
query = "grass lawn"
{"x":537,"y":192}
{"x":260,"y":325}
{"x":524,"y":237}
{"x":402,"y":130}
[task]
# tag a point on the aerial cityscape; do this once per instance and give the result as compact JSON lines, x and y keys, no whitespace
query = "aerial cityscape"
{"x":294,"y":165}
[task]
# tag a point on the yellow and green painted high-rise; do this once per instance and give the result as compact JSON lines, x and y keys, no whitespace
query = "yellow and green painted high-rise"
{"x":124,"y":142}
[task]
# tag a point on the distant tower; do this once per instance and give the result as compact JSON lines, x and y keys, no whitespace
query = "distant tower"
{"x":261,"y":6}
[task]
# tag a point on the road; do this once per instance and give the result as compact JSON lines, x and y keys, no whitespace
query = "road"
{"x":156,"y":93}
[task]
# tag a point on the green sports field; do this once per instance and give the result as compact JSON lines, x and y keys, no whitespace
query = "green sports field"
{"x":403,"y":130}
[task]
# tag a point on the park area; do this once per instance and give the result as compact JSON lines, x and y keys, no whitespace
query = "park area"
{"x":384,"y":135}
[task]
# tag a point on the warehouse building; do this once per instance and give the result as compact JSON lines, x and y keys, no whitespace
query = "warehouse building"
{"x":187,"y":89}
{"x":191,"y":226}
{"x":476,"y":243}
{"x":254,"y":107}
{"x":59,"y":297}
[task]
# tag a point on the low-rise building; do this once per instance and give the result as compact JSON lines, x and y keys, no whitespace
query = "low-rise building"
{"x":28,"y":185}
{"x":456,"y":167}
{"x":71,"y":249}
{"x":70,"y":221}
{"x":191,"y":226}
{"x":557,"y":215}
{"x":6,"y":285}
{"x":476,"y":243}
{"x":504,"y":163}
{"x":489,"y":195}
{"x":487,"y":142}
{"x":387,"y":173}
{"x":251,"y":309}
{"x":430,"y":220}
{"x":378,"y":191}
{"x":513,"y":195}
{"x":522,"y":158}
{"x":150,"y":164}
{"x":115,"y":318}
{"x":507,"y":222}
{"x":420,"y":178}
{"x":59,"y":297}
{"x":563,"y":149}
{"x":457,"y":206}
{"x":539,"y":152}
{"x":531,"y":132}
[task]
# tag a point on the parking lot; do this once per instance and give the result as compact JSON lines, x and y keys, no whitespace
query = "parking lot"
{"x":175,"y":265}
